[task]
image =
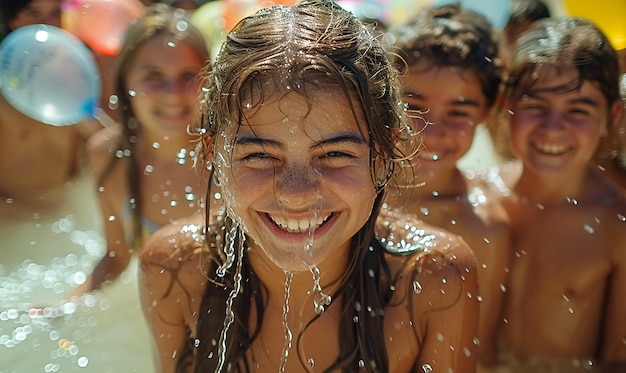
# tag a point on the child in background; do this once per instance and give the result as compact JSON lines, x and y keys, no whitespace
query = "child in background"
{"x":37,"y":160}
{"x":146,"y":178}
{"x":451,"y":84}
{"x":565,"y":304}
{"x":18,"y":13}
{"x":301,"y":112}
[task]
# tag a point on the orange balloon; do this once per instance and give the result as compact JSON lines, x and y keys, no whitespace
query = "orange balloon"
{"x":608,"y":15}
{"x":101,"y":24}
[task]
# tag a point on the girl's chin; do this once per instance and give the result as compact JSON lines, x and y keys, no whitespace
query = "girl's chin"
{"x":296,"y":261}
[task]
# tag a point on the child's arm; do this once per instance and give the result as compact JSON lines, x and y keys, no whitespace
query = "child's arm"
{"x":118,"y":252}
{"x":164,"y":300}
{"x":450,"y":325}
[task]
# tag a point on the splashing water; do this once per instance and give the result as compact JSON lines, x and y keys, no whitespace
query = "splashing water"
{"x":320,"y":300}
{"x":230,"y":315}
{"x":229,"y":252}
{"x":288,"y":335}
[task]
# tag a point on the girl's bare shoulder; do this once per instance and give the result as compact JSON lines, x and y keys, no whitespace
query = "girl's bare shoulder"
{"x":410,"y":242}
{"x":431,"y":267}
{"x":175,"y":243}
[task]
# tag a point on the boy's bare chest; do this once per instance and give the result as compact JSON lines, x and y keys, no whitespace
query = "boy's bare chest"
{"x":566,"y":249}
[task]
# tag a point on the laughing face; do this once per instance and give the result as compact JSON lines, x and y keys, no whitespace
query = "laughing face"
{"x":447,"y":104}
{"x":297,"y":177}
{"x":558,"y":130}
{"x":163,"y":83}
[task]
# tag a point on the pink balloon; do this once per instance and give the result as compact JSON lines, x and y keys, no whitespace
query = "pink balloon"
{"x":101,"y":24}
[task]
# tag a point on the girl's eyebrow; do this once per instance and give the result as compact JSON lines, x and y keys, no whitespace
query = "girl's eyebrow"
{"x":255,"y":140}
{"x":335,"y":139}
{"x":346,"y":137}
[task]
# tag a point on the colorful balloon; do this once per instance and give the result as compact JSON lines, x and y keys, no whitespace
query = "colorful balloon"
{"x":608,"y":15}
{"x":49,"y":75}
{"x":101,"y":24}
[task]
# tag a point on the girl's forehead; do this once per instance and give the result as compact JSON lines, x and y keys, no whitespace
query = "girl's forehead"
{"x":292,"y":114}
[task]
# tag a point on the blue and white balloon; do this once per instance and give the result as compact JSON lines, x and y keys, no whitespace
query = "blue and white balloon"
{"x":49,"y":75}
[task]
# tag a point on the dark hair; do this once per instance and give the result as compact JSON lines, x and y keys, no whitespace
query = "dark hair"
{"x":302,"y":48}
{"x":159,"y":19}
{"x":453,"y":36}
{"x":564,"y":42}
{"x":527,"y":10}
{"x":10,"y":8}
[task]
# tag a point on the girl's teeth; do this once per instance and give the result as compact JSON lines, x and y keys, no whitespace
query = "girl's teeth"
{"x":297,"y":226}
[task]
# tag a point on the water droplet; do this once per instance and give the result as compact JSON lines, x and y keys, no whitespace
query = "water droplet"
{"x":132,"y":93}
{"x":588,"y":229}
{"x":82,"y":361}
{"x":113,"y":102}
{"x":417,"y":287}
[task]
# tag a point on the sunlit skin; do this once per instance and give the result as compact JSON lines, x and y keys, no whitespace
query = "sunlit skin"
{"x":438,"y":192}
{"x":565,"y":298}
{"x":47,"y":12}
{"x":295,"y":160}
{"x":163,"y":81}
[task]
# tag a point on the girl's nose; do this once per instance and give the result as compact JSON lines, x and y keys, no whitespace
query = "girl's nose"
{"x":298,"y":186}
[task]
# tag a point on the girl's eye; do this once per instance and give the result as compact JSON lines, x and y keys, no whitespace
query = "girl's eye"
{"x":255,"y":156}
{"x":153,"y":77}
{"x":189,"y":76}
{"x":337,"y":154}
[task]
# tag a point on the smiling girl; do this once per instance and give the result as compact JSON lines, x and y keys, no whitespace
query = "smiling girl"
{"x":302,"y":111}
